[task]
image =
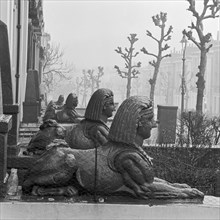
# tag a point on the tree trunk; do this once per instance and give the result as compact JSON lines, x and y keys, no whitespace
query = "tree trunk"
{"x":153,"y":82}
{"x":201,"y":81}
{"x":128,"y":87}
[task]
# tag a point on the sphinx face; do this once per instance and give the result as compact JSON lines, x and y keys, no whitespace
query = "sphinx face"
{"x":145,"y":126}
{"x":108,"y":109}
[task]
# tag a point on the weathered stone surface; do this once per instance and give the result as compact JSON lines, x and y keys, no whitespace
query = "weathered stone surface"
{"x":5,"y":123}
{"x":31,"y":112}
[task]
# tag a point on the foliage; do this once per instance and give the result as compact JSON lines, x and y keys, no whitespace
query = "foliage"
{"x":54,"y":68}
{"x":88,"y":80}
{"x":95,"y":78}
{"x":128,"y":56}
{"x":159,"y":21}
{"x":82,"y":85}
{"x":199,"y":129}
{"x":210,"y":10}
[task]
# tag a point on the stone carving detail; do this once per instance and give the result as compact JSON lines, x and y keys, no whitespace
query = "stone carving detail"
{"x":93,"y":131}
{"x":121,"y":165}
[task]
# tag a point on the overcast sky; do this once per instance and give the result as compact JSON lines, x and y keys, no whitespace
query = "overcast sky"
{"x":90,"y":31}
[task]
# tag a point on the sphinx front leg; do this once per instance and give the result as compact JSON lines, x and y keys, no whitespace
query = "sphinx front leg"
{"x":164,"y":190}
{"x":138,"y":176}
{"x":135,"y":173}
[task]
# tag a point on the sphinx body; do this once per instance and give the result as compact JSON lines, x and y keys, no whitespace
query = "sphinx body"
{"x":92,"y":131}
{"x":120,"y":165}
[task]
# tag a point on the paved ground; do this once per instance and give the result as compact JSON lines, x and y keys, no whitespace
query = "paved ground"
{"x":70,"y":209}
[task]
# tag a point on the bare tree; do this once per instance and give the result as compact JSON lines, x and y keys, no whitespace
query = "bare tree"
{"x":54,"y":68}
{"x":159,"y":21}
{"x":98,"y":76}
{"x":190,"y":86}
{"x":79,"y":84}
{"x":210,"y":10}
{"x":85,"y":85}
{"x":128,"y":56}
{"x":163,"y":88}
{"x":95,"y":78}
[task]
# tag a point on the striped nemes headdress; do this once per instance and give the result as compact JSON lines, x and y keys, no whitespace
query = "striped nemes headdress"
{"x":125,"y":122}
{"x":98,"y":100}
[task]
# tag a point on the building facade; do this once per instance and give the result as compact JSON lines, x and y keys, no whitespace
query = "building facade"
{"x":21,"y":33}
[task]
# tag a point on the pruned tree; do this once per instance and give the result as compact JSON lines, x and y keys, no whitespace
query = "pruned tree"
{"x":79,"y":84}
{"x":163,"y":88}
{"x":159,"y":21}
{"x":85,"y":85}
{"x":98,"y":76}
{"x":54,"y":68}
{"x":210,"y":10}
{"x":128,"y":56}
{"x":95,"y":78}
{"x":190,"y":86}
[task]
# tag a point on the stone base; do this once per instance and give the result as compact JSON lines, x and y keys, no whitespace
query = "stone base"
{"x":70,"y":210}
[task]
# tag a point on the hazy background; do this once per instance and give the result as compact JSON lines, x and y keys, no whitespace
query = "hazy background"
{"x":90,"y":31}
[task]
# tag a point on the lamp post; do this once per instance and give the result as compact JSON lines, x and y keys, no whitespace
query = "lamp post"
{"x":184,"y":44}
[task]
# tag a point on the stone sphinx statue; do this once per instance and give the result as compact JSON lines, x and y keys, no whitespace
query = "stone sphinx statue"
{"x":119,"y":166}
{"x":49,"y":131}
{"x":92,"y":131}
{"x":66,"y":114}
{"x":59,"y":103}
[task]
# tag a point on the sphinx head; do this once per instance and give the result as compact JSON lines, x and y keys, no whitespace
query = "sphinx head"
{"x":60,"y":99}
{"x":100,"y":104}
{"x":71,"y":101}
{"x":133,"y":117}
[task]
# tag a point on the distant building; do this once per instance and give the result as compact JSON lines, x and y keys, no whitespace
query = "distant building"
{"x":168,"y":86}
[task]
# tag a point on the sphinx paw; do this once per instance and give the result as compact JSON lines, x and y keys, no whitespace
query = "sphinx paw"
{"x":71,"y":191}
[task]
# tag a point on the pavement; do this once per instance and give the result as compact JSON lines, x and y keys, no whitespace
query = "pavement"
{"x":106,"y":208}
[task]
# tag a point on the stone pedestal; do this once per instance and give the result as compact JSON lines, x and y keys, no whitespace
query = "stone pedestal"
{"x":31,"y":112}
{"x":31,"y":105}
{"x":5,"y":126}
{"x":167,"y":116}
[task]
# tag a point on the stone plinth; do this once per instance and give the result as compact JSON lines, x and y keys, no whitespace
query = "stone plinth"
{"x":31,"y":112}
{"x":167,"y":116}
{"x":61,"y":210}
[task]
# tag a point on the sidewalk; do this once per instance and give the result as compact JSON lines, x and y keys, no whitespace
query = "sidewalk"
{"x":210,"y":209}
